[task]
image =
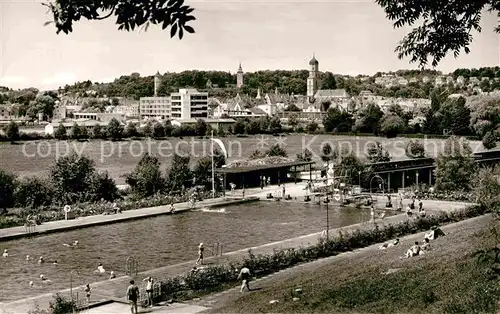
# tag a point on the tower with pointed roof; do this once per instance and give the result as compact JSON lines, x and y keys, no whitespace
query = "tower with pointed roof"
{"x":312,"y":80}
{"x":157,"y":82}
{"x":239,"y":77}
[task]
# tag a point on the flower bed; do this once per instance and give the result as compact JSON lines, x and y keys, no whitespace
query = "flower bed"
{"x":263,"y":264}
{"x":18,"y":217}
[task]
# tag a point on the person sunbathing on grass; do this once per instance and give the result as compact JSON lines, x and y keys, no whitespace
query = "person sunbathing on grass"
{"x":426,"y":246}
{"x":388,"y":244}
{"x":434,"y":233}
{"x":413,"y":251}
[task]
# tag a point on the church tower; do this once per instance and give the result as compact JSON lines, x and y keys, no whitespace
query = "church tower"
{"x":157,"y":83}
{"x":312,"y":80}
{"x":239,"y":77}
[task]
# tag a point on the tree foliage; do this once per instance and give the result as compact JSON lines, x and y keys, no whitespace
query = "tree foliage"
{"x":489,"y":140}
{"x":146,"y":179}
{"x":454,"y":166}
{"x":179,"y":175}
{"x":391,"y":125}
{"x":114,"y":130}
{"x":337,"y":120}
{"x":368,"y":120}
{"x":444,"y":26}
{"x":276,"y":150}
{"x":486,"y":187}
{"x":306,"y":155}
{"x":377,"y":153}
{"x":75,"y":179}
{"x":7,"y":189}
{"x":33,"y":192}
{"x":129,"y":14}
{"x":12,"y":131}
{"x":415,"y":149}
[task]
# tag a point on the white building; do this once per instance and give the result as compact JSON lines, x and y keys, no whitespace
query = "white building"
{"x":155,"y":107}
{"x":127,"y":110}
{"x":98,"y":116}
{"x":189,"y":103}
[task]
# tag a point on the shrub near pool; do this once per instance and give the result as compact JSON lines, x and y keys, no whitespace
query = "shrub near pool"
{"x":217,"y":277}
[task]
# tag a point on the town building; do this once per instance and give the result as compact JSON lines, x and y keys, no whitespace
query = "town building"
{"x":189,"y":103}
{"x":131,"y":110}
{"x":155,"y":107}
{"x":98,"y":116}
{"x":239,"y":77}
{"x":88,"y":124}
{"x":312,"y":80}
{"x":157,"y":82}
{"x":215,"y":124}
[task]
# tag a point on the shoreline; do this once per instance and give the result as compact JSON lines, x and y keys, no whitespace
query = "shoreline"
{"x":13,"y":233}
{"x":114,"y":289}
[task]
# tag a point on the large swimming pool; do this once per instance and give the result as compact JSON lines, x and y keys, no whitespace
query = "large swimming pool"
{"x":157,"y":242}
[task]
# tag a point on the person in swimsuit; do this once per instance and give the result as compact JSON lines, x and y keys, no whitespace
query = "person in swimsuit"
{"x":200,"y":254}
{"x":245,"y":278}
{"x":149,"y":290}
{"x":87,"y":292}
{"x":132,"y":295}
{"x":5,"y":253}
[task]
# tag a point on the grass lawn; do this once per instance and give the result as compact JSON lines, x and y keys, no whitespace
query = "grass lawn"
{"x":119,"y":158}
{"x":448,"y":279}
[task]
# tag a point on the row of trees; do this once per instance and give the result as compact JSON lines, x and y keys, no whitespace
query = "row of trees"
{"x":221,"y":84}
{"x":71,"y":179}
{"x":448,"y":116}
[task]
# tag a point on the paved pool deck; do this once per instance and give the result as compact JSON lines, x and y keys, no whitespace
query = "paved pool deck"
{"x":114,"y":289}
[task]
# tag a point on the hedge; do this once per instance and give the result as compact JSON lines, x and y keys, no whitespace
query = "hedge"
{"x":213,"y":277}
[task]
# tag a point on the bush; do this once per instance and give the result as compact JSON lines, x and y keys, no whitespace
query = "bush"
{"x":415,"y":149}
{"x":12,"y":132}
{"x":489,"y":140}
{"x":263,"y":264}
{"x":7,"y":189}
{"x":146,"y":179}
{"x":33,"y":192}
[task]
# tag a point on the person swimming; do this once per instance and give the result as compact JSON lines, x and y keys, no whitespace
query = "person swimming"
{"x":100,"y":269}
{"x":112,"y":275}
{"x":75,"y":243}
{"x":44,"y":279}
{"x":5,"y":253}
{"x":32,"y":284}
{"x":54,"y":263}
{"x":41,"y":260}
{"x":28,"y":258}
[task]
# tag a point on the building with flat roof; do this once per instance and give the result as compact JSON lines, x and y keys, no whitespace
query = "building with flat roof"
{"x":155,"y":107}
{"x":189,"y":103}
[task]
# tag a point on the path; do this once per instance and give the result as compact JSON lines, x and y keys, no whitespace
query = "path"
{"x":115,"y":288}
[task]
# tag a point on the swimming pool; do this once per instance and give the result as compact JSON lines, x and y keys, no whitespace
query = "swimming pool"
{"x":157,"y":242}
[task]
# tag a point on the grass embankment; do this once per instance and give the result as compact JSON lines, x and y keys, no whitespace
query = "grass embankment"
{"x":448,"y":279}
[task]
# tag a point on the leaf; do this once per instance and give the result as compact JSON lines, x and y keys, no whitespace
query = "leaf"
{"x":173,"y":30}
{"x":189,"y":29}
{"x":47,"y":23}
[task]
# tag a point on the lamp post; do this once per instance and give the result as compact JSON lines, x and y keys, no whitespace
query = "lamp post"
{"x":327,"y":201}
{"x":359,"y":178}
{"x":71,"y":282}
{"x":417,"y":178}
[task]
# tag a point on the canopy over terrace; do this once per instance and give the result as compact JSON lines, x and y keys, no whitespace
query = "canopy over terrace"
{"x":255,"y":175}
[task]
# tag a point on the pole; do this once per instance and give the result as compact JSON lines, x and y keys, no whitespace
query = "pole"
{"x":327,"y":201}
{"x":213,"y":167}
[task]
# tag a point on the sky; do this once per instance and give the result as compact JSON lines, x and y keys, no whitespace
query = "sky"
{"x":348,"y":37}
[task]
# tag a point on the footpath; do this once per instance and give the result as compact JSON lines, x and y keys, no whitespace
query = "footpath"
{"x":115,"y":289}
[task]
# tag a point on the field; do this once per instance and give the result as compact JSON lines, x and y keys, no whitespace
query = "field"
{"x":118,"y":158}
{"x":448,"y":279}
